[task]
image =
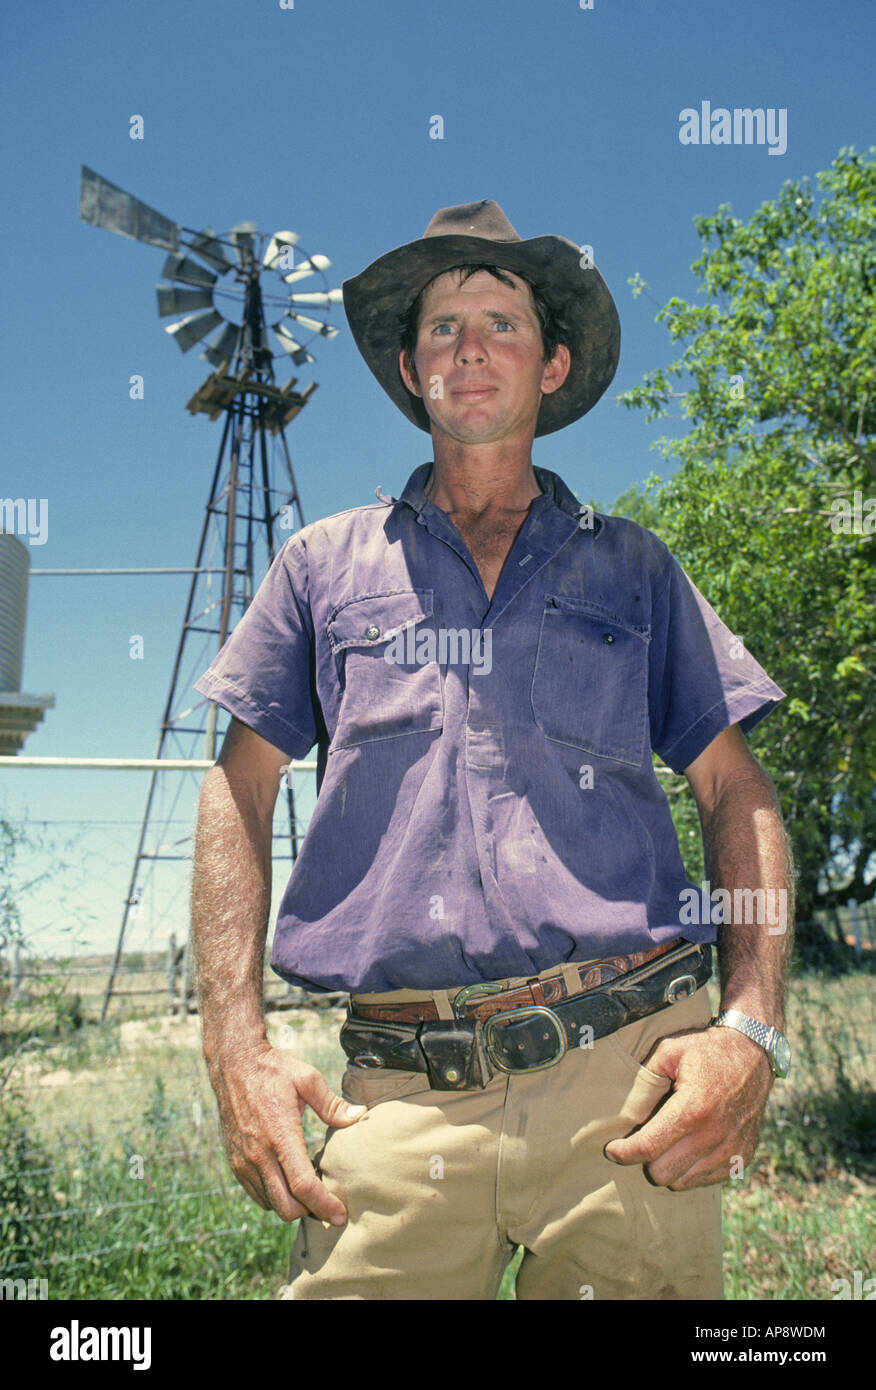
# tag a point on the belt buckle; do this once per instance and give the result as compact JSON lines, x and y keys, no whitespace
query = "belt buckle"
{"x":528,"y":1011}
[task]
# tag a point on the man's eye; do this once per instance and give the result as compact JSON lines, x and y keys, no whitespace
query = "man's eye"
{"x":439,"y":326}
{"x":505,"y":322}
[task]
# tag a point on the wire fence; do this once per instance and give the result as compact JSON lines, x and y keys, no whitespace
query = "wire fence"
{"x":112,"y":1169}
{"x":155,"y":986}
{"x":69,"y":898}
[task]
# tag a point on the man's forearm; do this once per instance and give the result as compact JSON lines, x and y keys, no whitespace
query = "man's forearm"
{"x":231,"y":901}
{"x":720,"y":1078}
{"x":747,"y":853}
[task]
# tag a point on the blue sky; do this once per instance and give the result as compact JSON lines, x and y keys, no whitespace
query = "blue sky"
{"x":317,"y":118}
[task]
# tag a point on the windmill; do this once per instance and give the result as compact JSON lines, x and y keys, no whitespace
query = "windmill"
{"x":236,"y":283}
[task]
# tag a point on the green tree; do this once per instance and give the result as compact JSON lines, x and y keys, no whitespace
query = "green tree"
{"x":640,"y":506}
{"x":779,"y":370}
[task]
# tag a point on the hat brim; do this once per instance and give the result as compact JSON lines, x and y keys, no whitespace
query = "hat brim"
{"x":375,"y":299}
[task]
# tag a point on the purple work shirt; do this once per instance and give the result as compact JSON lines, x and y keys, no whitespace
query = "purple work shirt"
{"x":487,"y":802}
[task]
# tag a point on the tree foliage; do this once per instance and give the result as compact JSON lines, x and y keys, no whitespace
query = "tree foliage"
{"x":779,"y":369}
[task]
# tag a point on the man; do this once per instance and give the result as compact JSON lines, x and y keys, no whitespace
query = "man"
{"x":491,"y":869}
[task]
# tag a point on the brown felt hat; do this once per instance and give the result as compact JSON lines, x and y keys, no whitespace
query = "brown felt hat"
{"x":376,"y":299}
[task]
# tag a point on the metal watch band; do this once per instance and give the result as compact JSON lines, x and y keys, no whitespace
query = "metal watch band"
{"x":769,"y":1038}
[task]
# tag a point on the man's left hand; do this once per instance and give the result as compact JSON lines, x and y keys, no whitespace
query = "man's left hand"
{"x":713,"y":1115}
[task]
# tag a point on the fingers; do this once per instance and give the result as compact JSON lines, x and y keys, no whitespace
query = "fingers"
{"x":711,"y":1118}
{"x":295,"y":1186}
{"x":657,"y":1136}
{"x":282,"y":1179}
{"x":251,"y":1182}
{"x":261,"y":1110}
{"x":679,"y":1148}
{"x":293,"y":1190}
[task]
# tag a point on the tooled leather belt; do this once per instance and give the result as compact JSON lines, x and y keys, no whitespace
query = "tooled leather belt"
{"x":527,"y":1028}
{"x":540,"y":992}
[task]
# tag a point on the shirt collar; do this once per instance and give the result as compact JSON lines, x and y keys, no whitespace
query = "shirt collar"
{"x":552,"y":486}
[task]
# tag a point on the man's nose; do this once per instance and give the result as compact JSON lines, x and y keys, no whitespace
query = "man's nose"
{"x":470,"y":346}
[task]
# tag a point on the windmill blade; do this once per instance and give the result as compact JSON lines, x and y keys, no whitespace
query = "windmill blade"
{"x":278,"y":245}
{"x":206,"y":245}
{"x":299,"y":354}
{"x":328,"y":330}
{"x":105,"y":205}
{"x":192,"y":329}
{"x":223,"y":347}
{"x":243,"y":240}
{"x":321,"y":301}
{"x":173,"y":301}
{"x":188,"y":272}
{"x":308,"y":267}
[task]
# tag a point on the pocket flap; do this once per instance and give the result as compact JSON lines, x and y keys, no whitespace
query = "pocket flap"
{"x":375,"y":618}
{"x":597,"y":612}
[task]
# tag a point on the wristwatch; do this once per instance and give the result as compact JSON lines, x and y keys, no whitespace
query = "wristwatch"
{"x":774,"y":1043}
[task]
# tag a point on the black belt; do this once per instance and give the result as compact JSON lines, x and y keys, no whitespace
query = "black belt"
{"x":461,"y":1054}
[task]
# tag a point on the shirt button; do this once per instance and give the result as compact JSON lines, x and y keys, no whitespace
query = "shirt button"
{"x":608,"y":638}
{"x":372,"y":632}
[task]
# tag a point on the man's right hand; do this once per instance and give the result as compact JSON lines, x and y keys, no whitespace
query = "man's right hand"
{"x":262,"y":1096}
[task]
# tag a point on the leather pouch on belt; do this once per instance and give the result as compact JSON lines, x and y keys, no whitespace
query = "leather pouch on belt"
{"x":380,"y":1044}
{"x":456,"y":1058}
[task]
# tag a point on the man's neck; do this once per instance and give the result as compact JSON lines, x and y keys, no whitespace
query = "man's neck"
{"x":477,"y":482}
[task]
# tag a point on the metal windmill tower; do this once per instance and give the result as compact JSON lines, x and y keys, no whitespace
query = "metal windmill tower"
{"x":237,"y":285}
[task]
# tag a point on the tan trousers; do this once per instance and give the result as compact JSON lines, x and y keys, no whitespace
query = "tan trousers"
{"x":441,"y":1187}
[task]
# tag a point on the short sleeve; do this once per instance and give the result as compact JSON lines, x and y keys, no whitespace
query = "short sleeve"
{"x":702,"y":679}
{"x":263,"y":673}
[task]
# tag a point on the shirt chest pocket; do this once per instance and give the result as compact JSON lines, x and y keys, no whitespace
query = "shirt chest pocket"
{"x":590,"y":683}
{"x":387,"y":693}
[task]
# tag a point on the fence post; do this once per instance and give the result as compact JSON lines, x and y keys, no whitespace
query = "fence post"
{"x":187,"y":975}
{"x":170,"y":969}
{"x":15,"y":972}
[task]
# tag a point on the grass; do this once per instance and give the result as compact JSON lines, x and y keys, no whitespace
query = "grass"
{"x":803,"y":1217}
{"x":113,"y":1182}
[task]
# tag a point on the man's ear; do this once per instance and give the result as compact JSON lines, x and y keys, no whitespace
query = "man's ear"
{"x":556,"y":370}
{"x":408,"y":372}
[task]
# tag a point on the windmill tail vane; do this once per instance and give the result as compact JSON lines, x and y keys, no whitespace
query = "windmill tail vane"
{"x":226,"y":276}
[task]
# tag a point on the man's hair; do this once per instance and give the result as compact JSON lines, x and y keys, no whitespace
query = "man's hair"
{"x":553,"y":329}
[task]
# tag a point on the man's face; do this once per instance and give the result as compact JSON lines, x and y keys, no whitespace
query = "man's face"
{"x":478,"y":359}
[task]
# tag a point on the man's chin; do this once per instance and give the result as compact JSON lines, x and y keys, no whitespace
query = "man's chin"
{"x":484,"y":431}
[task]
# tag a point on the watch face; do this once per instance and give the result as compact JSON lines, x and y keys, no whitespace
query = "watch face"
{"x":782,"y":1054}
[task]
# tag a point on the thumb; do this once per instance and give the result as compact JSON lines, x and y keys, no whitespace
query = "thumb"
{"x":331,"y":1108}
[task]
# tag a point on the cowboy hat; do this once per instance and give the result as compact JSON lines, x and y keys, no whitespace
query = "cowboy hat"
{"x":468,"y":234}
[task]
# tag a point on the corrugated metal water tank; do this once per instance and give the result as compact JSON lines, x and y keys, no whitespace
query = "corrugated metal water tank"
{"x":14,"y":567}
